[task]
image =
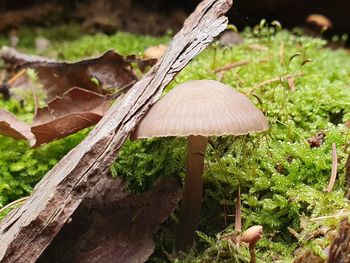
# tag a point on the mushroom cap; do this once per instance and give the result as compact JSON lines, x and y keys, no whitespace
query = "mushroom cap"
{"x":319,"y":20}
{"x":201,"y":107}
{"x":252,"y":235}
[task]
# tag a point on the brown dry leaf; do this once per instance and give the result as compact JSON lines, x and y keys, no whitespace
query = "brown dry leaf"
{"x":142,"y":64}
{"x":317,"y":140}
{"x":12,"y":127}
{"x":75,"y":110}
{"x":110,"y":71}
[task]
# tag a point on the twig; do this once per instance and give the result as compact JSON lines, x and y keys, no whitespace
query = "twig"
{"x":334,"y":168}
{"x":13,"y":203}
{"x":278,"y":79}
{"x":238,"y":64}
{"x":14,"y":57}
{"x":347,"y":175}
{"x":238,"y":214}
{"x":281,"y":53}
{"x":121,"y":90}
{"x":327,"y":217}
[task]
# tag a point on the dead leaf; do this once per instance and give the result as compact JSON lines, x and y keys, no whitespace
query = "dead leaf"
{"x":110,"y":71}
{"x":142,"y":64}
{"x":113,"y":225}
{"x":75,"y":110}
{"x":12,"y":127}
{"x":5,"y":91}
{"x":317,"y":140}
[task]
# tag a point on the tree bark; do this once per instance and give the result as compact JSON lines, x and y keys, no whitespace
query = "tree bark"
{"x":27,"y":231}
{"x":340,"y":249}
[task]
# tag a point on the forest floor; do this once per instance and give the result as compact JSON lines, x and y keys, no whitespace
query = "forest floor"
{"x":302,"y":87}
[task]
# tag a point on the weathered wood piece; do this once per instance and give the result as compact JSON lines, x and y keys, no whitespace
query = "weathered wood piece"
{"x":27,"y":231}
{"x":340,"y":249}
{"x":12,"y":56}
{"x":100,"y":230}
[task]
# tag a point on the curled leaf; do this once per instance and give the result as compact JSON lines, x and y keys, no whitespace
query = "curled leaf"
{"x":75,"y":110}
{"x":97,"y":75}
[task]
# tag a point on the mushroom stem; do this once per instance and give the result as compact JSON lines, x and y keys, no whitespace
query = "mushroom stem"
{"x":252,"y":253}
{"x":192,"y":196}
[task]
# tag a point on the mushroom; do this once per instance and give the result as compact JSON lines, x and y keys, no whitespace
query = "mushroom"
{"x":155,"y":52}
{"x":198,"y":109}
{"x":251,"y":236}
{"x":318,"y":22}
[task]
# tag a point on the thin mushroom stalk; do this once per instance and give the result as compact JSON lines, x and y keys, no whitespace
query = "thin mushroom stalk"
{"x":198,"y":109}
{"x":192,"y":196}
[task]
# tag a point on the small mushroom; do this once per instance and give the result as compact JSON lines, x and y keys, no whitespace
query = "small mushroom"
{"x":318,"y":22}
{"x":198,"y":109}
{"x":251,"y":236}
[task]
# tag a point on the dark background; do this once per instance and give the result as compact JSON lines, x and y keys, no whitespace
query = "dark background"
{"x":290,"y":13}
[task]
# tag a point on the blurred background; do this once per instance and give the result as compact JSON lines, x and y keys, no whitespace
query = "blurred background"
{"x":156,"y":17}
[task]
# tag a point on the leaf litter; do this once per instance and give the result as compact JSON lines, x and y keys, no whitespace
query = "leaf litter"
{"x":78,"y":93}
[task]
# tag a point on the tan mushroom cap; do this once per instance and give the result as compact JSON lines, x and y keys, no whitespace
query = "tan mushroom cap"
{"x":201,"y":107}
{"x":319,"y":20}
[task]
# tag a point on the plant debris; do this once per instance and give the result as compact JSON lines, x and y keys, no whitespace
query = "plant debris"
{"x":334,"y":168}
{"x":12,"y":127}
{"x":100,"y":75}
{"x":15,"y":58}
{"x":75,"y":110}
{"x":11,"y":19}
{"x":155,"y":52}
{"x":340,"y":248}
{"x":100,"y":230}
{"x":317,"y":140}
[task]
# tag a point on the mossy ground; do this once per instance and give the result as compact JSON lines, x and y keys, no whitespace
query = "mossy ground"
{"x":282,"y":178}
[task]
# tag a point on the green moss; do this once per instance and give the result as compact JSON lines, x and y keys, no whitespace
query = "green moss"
{"x":282,"y":179}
